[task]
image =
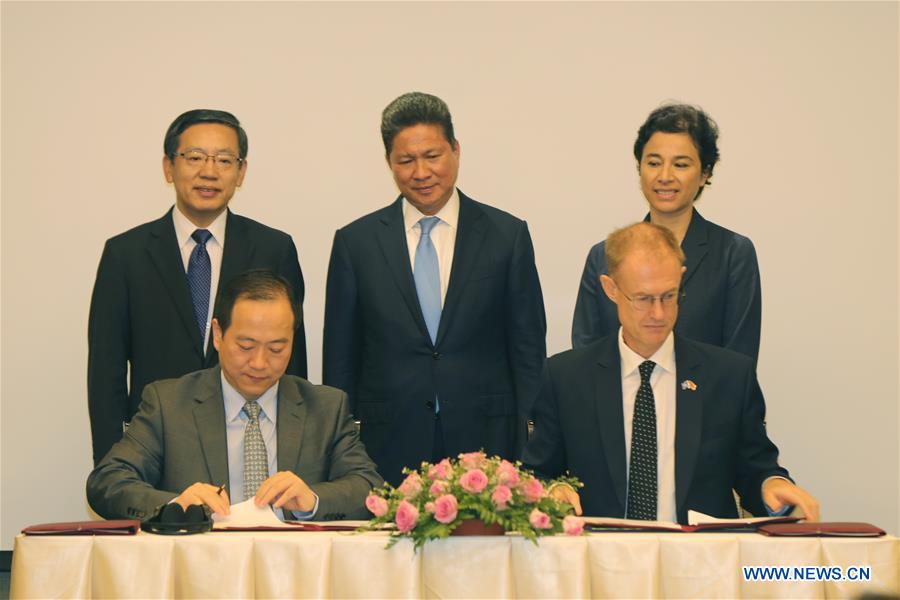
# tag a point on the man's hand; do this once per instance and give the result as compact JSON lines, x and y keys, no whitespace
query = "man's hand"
{"x":777,"y":492}
{"x":565,"y":493}
{"x":285,"y":490}
{"x":204,"y":493}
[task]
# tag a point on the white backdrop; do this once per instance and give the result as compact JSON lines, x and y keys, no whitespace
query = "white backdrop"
{"x":546,"y":99}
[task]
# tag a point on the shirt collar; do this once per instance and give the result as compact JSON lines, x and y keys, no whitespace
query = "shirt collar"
{"x":631,"y":360}
{"x":234,"y":402}
{"x":184,"y":228}
{"x":449,"y":214}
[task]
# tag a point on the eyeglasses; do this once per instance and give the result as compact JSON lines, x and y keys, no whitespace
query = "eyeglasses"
{"x":196,"y":159}
{"x":644,"y":302}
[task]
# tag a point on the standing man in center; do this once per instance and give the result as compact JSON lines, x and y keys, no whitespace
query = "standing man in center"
{"x":434,"y":317}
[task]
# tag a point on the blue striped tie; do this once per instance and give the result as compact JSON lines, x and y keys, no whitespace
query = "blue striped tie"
{"x":428,"y":277}
{"x":199,"y":276}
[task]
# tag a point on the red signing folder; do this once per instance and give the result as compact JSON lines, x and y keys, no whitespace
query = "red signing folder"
{"x":115,"y":527}
{"x":822,"y":530}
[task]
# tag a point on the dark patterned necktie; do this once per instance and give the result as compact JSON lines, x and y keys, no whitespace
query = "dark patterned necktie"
{"x":199,"y":276}
{"x":642,"y":482}
{"x":256,"y":460}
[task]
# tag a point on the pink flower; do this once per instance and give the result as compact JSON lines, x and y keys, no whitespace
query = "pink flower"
{"x":532,"y":490}
{"x":429,"y":507}
{"x":445,"y":508}
{"x":441,"y":470}
{"x":472,"y":460}
{"x":537,"y":519}
{"x":573,"y":525}
{"x":507,"y":474}
{"x":411,"y":486}
{"x":406,"y":517}
{"x":473,"y":481}
{"x":438,"y":488}
{"x":377,"y":505}
{"x":501,"y":496}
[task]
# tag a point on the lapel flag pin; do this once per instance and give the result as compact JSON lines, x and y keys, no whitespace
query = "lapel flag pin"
{"x":687,"y":384}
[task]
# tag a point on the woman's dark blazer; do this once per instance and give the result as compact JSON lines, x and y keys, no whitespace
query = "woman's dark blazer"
{"x":722,"y":303}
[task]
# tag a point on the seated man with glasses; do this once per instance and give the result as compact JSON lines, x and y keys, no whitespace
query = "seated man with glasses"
{"x":157,"y":283}
{"x":652,"y":423}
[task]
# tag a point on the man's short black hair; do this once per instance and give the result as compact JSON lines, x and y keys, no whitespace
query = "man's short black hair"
{"x":411,"y":109}
{"x":202,"y":115}
{"x":256,"y":284}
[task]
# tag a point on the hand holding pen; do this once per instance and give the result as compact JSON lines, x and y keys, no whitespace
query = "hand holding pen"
{"x":213,"y":496}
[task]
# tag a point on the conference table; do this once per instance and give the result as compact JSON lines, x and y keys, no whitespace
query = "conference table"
{"x":353,"y":565}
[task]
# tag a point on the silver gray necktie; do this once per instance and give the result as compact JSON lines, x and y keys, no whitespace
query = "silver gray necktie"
{"x":256,"y":461}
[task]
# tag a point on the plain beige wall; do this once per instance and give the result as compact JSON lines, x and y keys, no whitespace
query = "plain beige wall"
{"x":546,"y":100}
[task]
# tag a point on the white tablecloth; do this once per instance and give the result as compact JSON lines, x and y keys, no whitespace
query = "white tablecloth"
{"x":347,"y":565}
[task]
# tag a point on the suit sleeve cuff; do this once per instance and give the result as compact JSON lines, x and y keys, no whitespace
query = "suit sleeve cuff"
{"x":306,"y":516}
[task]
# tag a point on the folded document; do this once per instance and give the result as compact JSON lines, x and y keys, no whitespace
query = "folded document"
{"x":697,"y":522}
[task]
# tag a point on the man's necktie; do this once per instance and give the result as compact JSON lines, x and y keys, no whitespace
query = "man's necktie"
{"x":428,"y":277}
{"x":199,"y":276}
{"x":256,"y":460}
{"x":642,"y":486}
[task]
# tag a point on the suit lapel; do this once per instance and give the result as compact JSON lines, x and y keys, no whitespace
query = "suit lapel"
{"x":237,"y":256}
{"x":610,"y":415}
{"x":392,"y":239}
{"x":470,"y":235}
{"x":209,"y":418}
{"x":164,"y":253}
{"x":695,"y":246}
{"x":291,"y":420}
{"x":688,"y":418}
{"x":238,"y":250}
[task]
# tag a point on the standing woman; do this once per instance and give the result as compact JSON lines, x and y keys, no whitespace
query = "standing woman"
{"x":676,"y":151}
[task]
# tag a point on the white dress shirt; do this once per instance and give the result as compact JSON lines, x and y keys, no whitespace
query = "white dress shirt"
{"x":663,"y":381}
{"x":443,"y":236}
{"x":214,"y":247}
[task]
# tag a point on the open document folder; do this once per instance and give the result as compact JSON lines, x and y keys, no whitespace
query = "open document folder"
{"x":246,"y":516}
{"x":697,"y":522}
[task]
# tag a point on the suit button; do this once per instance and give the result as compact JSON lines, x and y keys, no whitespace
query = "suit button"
{"x":430,"y":404}
{"x":436,"y":356}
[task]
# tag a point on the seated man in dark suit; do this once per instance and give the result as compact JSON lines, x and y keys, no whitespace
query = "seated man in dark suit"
{"x":652,"y":423}
{"x":157,"y":283}
{"x":245,"y":425}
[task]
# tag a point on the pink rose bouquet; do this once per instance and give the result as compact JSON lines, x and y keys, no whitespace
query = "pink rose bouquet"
{"x":434,"y":500}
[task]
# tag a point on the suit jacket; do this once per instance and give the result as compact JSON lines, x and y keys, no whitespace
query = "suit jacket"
{"x":720,"y":435}
{"x":722,"y":304}
{"x":178,"y":438}
{"x":142,"y":314}
{"x":485,"y":365}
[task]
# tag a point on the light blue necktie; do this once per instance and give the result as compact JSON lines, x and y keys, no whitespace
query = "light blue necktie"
{"x":428,"y":277}
{"x":199,"y":276}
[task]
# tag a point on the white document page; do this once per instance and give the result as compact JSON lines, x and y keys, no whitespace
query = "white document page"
{"x":247,"y":514}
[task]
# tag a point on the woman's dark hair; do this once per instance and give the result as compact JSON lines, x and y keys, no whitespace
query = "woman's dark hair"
{"x":683,"y":118}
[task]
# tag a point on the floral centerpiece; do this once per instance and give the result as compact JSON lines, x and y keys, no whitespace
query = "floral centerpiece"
{"x":433,"y":501}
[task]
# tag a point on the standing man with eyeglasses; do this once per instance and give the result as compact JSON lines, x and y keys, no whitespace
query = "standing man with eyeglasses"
{"x":157,"y":283}
{"x":655,"y":424}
